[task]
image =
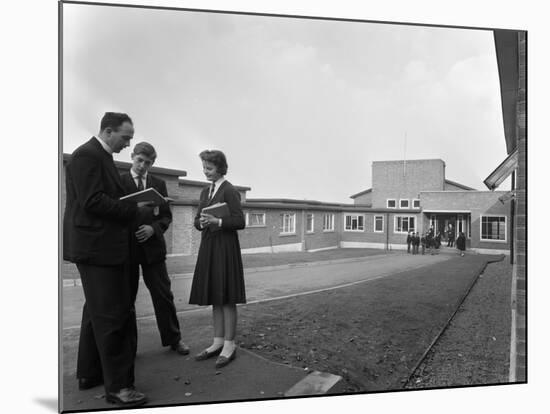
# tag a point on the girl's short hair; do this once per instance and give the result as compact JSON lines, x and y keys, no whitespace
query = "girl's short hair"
{"x":217,"y":158}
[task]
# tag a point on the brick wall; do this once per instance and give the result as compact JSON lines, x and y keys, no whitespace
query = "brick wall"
{"x":520,"y":213}
{"x":183,"y":239}
{"x":399,"y":180}
{"x":478,"y":203}
{"x":270,"y":234}
{"x":363,"y":199}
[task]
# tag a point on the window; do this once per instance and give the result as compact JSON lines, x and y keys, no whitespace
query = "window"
{"x":403,"y":203}
{"x":416,"y":203}
{"x":328,"y":222}
{"x":288,"y":223}
{"x":391,"y":203}
{"x":354,"y":222}
{"x":309,"y":222}
{"x":378,"y":224}
{"x":255,"y":219}
{"x":404,"y":224}
{"x":493,"y":228}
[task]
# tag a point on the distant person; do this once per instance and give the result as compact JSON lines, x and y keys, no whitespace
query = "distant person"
{"x":415,"y":242}
{"x":461,"y":243}
{"x":409,"y":241}
{"x":423,"y":243}
{"x":437,"y":240}
{"x":450,"y":236}
{"x":95,"y":237}
{"x":148,"y":249}
{"x":218,"y":279}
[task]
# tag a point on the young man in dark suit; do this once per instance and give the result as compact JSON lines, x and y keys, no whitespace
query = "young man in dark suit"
{"x":95,"y":237}
{"x":148,"y":249}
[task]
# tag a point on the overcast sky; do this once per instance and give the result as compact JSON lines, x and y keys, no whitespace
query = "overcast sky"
{"x":300,"y":107}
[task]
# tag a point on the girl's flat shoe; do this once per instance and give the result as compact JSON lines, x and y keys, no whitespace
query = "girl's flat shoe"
{"x":223,"y":361}
{"x":205,"y":354}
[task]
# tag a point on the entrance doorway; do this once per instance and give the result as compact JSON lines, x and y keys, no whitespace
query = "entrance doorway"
{"x":441,"y":222}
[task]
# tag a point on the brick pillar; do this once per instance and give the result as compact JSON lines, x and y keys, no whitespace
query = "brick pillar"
{"x":520,"y":239}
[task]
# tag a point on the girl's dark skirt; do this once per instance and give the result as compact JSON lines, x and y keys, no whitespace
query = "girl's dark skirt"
{"x":218,"y":277}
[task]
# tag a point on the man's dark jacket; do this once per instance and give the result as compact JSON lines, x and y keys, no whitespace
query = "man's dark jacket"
{"x":95,"y":223}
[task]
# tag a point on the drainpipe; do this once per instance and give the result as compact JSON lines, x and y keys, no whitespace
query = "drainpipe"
{"x":512,"y":221}
{"x":387,"y":231}
{"x":303,"y":231}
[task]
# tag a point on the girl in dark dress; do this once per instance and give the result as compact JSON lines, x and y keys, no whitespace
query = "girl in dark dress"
{"x":218,"y":279}
{"x":461,"y":243}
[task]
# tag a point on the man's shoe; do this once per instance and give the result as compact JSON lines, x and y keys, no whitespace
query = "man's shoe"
{"x":223,"y":361}
{"x":205,"y":354}
{"x":87,"y":383}
{"x":180,"y":348}
{"x":127,"y":397}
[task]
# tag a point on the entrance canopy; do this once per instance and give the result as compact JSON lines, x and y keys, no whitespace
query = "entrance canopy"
{"x":502,"y":172}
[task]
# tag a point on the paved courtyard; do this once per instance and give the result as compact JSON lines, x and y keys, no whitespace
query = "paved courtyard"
{"x":411,"y":296}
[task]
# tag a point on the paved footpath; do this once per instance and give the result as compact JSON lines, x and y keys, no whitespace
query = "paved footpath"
{"x":168,"y":378}
{"x":271,"y":282}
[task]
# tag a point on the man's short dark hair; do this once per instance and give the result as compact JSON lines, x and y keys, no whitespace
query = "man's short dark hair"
{"x":217,"y":158}
{"x":114,"y":120}
{"x":144,"y":148}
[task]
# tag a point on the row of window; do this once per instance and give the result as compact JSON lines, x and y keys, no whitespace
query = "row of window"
{"x":288,"y":222}
{"x":403,"y":203}
{"x":492,"y":227}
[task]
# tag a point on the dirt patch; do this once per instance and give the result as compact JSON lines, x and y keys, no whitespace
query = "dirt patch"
{"x":373,"y":334}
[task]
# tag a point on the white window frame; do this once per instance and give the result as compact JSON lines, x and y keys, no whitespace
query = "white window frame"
{"x":357,"y":217}
{"x":255,"y":213}
{"x":374,"y":228}
{"x":292,"y":216}
{"x":408,"y":224}
{"x":312,"y":230}
{"x":415,"y":200}
{"x":401,"y":201}
{"x":330,"y":217}
{"x":388,"y":202}
{"x":505,"y":228}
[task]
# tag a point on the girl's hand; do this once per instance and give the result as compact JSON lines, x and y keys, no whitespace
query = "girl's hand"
{"x":207,"y":219}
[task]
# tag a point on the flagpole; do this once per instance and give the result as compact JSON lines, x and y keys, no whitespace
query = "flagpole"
{"x":405,"y":155}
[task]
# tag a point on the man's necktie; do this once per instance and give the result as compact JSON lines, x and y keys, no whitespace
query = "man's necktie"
{"x":140,"y":183}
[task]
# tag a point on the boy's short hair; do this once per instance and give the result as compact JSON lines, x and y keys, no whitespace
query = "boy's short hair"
{"x":144,"y":148}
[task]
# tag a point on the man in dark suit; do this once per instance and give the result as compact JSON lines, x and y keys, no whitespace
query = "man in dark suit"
{"x":148,"y":248}
{"x":95,"y":237}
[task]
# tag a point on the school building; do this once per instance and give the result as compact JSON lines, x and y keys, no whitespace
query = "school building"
{"x":405,"y":196}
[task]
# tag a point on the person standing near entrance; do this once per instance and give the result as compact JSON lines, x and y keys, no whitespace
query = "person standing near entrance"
{"x":450,"y":236}
{"x":95,"y":238}
{"x":148,"y":249}
{"x":409,"y":241}
{"x":423,"y":243}
{"x":461,"y":243}
{"x":415,"y":242}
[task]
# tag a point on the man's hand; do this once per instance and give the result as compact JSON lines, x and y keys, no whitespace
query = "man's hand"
{"x":144,"y":232}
